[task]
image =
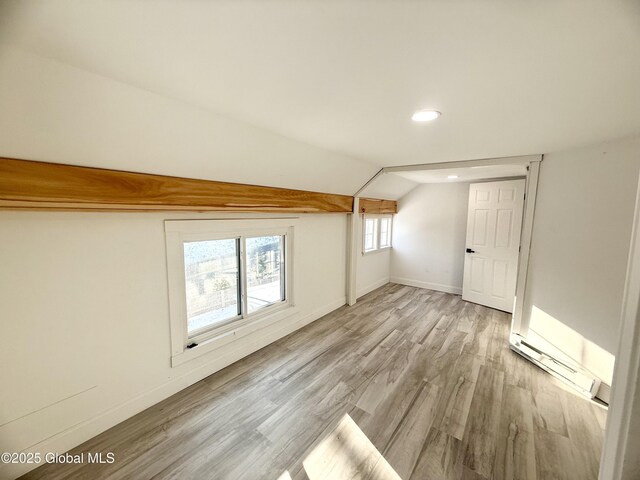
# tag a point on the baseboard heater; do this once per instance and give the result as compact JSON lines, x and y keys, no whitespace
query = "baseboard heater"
{"x":576,"y":377}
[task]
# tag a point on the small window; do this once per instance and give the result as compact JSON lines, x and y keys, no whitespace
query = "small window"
{"x":376,"y":233}
{"x":385,"y":232}
{"x":231,"y":278}
{"x":224,"y":279}
{"x":211,"y":274}
{"x":265,"y":272}
{"x":370,"y":235}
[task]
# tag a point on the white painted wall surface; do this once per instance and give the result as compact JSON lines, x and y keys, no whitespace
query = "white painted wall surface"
{"x":84,"y":330}
{"x":429,"y":235}
{"x":373,"y":268}
{"x":373,"y":271}
{"x":580,"y":243}
{"x":85,"y":295}
{"x":619,"y":459}
{"x":54,"y":112}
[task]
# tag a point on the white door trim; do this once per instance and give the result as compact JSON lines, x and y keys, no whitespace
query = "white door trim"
{"x":625,"y":391}
{"x":520,"y":324}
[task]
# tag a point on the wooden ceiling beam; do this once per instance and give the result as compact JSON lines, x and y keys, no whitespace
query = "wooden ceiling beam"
{"x":40,"y":186}
{"x":377,"y":206}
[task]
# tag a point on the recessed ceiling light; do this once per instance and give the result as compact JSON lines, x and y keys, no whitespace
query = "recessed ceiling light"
{"x":451,"y":177}
{"x":425,"y":115}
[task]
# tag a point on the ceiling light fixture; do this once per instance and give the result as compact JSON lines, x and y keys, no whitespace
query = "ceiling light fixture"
{"x":451,"y":177}
{"x":425,"y":115}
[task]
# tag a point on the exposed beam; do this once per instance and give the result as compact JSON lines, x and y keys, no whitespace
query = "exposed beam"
{"x":374,"y":205}
{"x":520,"y":160}
{"x":40,"y":185}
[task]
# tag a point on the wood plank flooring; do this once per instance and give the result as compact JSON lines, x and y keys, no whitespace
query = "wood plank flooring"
{"x":407,"y":384}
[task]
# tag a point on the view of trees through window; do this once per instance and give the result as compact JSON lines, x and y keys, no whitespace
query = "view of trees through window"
{"x":213,"y":274}
{"x":264,"y":276}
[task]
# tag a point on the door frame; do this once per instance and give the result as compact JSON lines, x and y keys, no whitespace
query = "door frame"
{"x":519,"y":322}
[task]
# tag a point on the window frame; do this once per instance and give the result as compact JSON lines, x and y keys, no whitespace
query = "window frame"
{"x":375,"y":221}
{"x":376,"y":232}
{"x":389,"y":219}
{"x":244,"y":280}
{"x":179,"y":232}
{"x":203,"y":331}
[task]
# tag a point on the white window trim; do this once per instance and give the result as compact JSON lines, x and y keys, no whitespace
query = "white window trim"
{"x":364,"y":234}
{"x":376,"y":233}
{"x":389,"y":232}
{"x":179,"y":231}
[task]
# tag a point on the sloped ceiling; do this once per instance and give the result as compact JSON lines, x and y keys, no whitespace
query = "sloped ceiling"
{"x":55,"y":113}
{"x":389,"y":186}
{"x":510,"y":78}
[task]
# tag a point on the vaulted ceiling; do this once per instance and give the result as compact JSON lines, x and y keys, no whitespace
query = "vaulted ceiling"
{"x":510,"y":77}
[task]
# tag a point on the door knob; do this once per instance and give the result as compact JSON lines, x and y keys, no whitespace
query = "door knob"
{"x":470,"y":251}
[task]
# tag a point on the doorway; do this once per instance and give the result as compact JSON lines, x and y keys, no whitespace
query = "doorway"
{"x":402,"y":179}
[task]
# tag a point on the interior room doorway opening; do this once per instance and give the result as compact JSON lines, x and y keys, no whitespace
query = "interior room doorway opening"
{"x":527,"y":168}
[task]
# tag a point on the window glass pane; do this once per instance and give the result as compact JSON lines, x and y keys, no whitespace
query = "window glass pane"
{"x":384,"y":232}
{"x":265,"y":272}
{"x":369,"y":234}
{"x":211,"y":277}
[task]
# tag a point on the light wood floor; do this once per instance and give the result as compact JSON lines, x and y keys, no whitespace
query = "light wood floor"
{"x":408,"y":383}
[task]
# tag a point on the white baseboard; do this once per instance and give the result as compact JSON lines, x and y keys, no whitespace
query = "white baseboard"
{"x":370,"y":288}
{"x":428,"y":285}
{"x":80,"y":433}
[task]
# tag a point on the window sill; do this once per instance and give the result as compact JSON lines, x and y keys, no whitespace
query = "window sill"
{"x":377,"y":250}
{"x":235,"y":332}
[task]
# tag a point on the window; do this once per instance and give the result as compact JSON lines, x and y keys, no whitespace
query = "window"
{"x":223,"y":280}
{"x":265,"y":275}
{"x":212,"y":287}
{"x":376,"y":234}
{"x":370,"y":236}
{"x":213,"y":269}
{"x":385,"y":232}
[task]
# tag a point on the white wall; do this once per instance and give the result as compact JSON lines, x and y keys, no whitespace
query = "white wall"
{"x":54,"y":112}
{"x":429,"y":234}
{"x":373,"y":269}
{"x":580,"y":243}
{"x":84,"y":326}
{"x":84,"y":336}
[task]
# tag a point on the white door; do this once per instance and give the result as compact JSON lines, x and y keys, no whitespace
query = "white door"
{"x":494,"y":222}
